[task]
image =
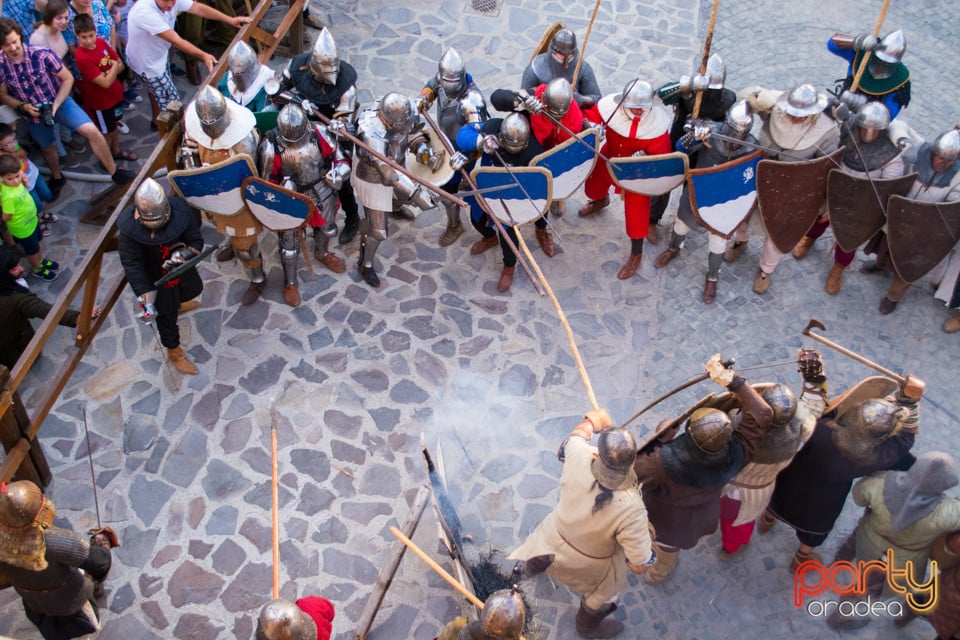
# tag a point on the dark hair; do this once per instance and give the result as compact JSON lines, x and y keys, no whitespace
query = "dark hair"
{"x":8,"y":26}
{"x":6,"y":130}
{"x":9,"y":164}
{"x":53,"y":9}
{"x":83,"y":23}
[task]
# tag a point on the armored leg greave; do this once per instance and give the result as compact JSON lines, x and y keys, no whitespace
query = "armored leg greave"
{"x":252,"y":263}
{"x":714,"y":260}
{"x":289,"y":244}
{"x":373,"y":232}
{"x":321,"y":238}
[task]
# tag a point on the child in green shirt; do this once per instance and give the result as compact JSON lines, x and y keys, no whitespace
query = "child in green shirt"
{"x":20,"y":216}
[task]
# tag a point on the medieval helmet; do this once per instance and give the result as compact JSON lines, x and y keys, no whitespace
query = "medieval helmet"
{"x":22,"y":503}
{"x":639,"y":95}
{"x":947,"y":145}
{"x":783,"y":402}
{"x":716,"y":72}
{"x":710,"y":429}
{"x":292,"y":123}
{"x":283,"y":620}
{"x":514,"y":133}
{"x":504,"y":615}
{"x":873,"y":116}
{"x":396,"y":112}
{"x":563,"y":47}
{"x":892,"y":47}
{"x":324,"y":61}
{"x":152,"y":204}
{"x":863,"y":427}
{"x":802,"y":100}
{"x":739,"y":120}
{"x":212,"y":111}
{"x":557,"y":97}
{"x":616,"y":452}
{"x":451,"y":72}
{"x":244,"y":65}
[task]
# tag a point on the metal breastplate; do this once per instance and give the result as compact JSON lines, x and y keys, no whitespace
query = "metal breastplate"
{"x":868,"y":156}
{"x":375,"y":134}
{"x":248,"y":145}
{"x":304,"y":162}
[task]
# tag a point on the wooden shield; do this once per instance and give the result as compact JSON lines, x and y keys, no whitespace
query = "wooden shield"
{"x":544,"y":43}
{"x":442,"y":175}
{"x":920,"y":234}
{"x":217,"y":187}
{"x":867,"y":389}
{"x":650,"y":175}
{"x":513,"y":205}
{"x":570,"y":163}
{"x":722,"y":196}
{"x":858,"y":206}
{"x":277,"y":208}
{"x":791,"y":195}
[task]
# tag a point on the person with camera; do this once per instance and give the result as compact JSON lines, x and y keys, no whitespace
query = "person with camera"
{"x":35,"y":83}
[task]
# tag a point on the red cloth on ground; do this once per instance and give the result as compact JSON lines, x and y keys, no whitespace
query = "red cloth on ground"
{"x":733,"y":537}
{"x":322,"y":612}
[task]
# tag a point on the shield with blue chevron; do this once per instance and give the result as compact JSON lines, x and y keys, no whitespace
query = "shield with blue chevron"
{"x":524,"y":193}
{"x":570,"y":162}
{"x":277,"y":208}
{"x":722,"y":196}
{"x":215,"y":188}
{"x":649,"y":175}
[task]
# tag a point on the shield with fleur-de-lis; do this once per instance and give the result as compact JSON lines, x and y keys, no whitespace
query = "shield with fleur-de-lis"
{"x":277,"y":208}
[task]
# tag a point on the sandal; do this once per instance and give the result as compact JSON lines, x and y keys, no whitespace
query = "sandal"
{"x":49,"y":216}
{"x":44,"y":231}
{"x":126,"y":155}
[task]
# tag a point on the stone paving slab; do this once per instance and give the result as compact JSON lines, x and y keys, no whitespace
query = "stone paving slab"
{"x":354,"y":376}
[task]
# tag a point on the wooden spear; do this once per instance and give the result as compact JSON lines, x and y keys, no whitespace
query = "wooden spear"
{"x":276,"y":513}
{"x":583,"y":45}
{"x":866,"y":56}
{"x":706,"y":55}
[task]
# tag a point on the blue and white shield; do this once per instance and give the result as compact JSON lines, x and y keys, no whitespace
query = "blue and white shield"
{"x":510,"y":203}
{"x":722,"y":196}
{"x":570,"y":162}
{"x":215,"y":188}
{"x":277,"y":208}
{"x":649,"y":175}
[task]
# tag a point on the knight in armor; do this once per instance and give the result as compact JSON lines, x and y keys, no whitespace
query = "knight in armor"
{"x":217,"y":129}
{"x":245,"y":78}
{"x":715,"y":102}
{"x":157,"y":235}
{"x":868,"y":153}
{"x":330,"y":85}
{"x":938,"y":180}
{"x":737,"y":124}
{"x":795,"y":128}
{"x":459,"y":103}
{"x":503,"y":141}
{"x":503,"y":617}
{"x":683,"y":476}
{"x":385,"y":126}
{"x":746,"y":496}
{"x":638,"y":123}
{"x":560,"y":61}
{"x":599,"y":528}
{"x":854,"y":438}
{"x":55,"y":571}
{"x":886,"y":79}
{"x":310,"y":618}
{"x":305,"y":158}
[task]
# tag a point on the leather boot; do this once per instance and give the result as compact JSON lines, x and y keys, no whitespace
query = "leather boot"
{"x":226,"y":254}
{"x":333,"y":262}
{"x":179,"y":361}
{"x":630,"y":267}
{"x":591,"y":624}
{"x":291,"y":295}
{"x":709,"y":291}
{"x":887,"y":306}
{"x":189,"y":305}
{"x":506,"y":279}
{"x":800,"y":557}
{"x":450,"y":234}
{"x":484,"y":244}
{"x":593,"y":206}
{"x":666,"y":257}
{"x":733,"y":251}
{"x":193,"y":70}
{"x":800,"y":251}
{"x":761,"y":284}
{"x":546,"y":242}
{"x":953,"y":324}
{"x":350,"y":227}
{"x":252,"y":293}
{"x":834,"y":279}
{"x":765,"y":522}
{"x":653,"y":236}
{"x":557,"y":207}
{"x":369,"y":276}
{"x":663,"y":566}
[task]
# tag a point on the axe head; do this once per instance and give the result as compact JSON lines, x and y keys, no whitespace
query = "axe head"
{"x":814,"y":324}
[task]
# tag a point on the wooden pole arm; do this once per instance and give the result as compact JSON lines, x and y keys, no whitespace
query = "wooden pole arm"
{"x":474,"y":600}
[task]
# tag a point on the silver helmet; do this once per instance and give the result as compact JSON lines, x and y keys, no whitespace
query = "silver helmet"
{"x":557,"y":97}
{"x":802,"y":100}
{"x":514,"y":133}
{"x":283,"y":620}
{"x":873,"y":116}
{"x":244,"y":65}
{"x":396,"y":112}
{"x":860,"y":430}
{"x":782,"y":401}
{"x":451,"y":72}
{"x":563,"y":47}
{"x":504,"y":615}
{"x":716,"y":72}
{"x":292,"y":123}
{"x":892,"y":47}
{"x":739,"y":120}
{"x":324,"y":61}
{"x":947,"y":145}
{"x":212,"y":111}
{"x":616,"y":452}
{"x":639,"y":95}
{"x":710,"y":429}
{"x":153,"y":207}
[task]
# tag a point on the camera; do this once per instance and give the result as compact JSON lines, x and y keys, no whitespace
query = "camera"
{"x":46,"y":113}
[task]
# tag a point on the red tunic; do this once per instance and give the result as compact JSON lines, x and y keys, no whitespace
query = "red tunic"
{"x":549,"y":134}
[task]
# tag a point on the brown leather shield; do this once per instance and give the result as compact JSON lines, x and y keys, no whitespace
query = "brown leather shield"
{"x":920,"y":234}
{"x":858,"y":206}
{"x":867,"y":389}
{"x":791,"y":195}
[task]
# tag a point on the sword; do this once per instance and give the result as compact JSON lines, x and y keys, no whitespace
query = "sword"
{"x":622,"y":98}
{"x":93,"y":477}
{"x":754,"y":145}
{"x":178,"y":271}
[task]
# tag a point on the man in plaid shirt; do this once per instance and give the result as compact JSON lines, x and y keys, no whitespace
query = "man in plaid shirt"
{"x":34,"y":80}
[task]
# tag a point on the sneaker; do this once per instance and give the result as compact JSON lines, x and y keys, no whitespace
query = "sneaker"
{"x":122,"y":127}
{"x":50,"y":264}
{"x":45,"y":274}
{"x":123,"y":176}
{"x":126,"y":105}
{"x":132,"y":96}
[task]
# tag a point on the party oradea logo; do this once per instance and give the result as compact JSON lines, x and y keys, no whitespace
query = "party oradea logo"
{"x":848,"y":581}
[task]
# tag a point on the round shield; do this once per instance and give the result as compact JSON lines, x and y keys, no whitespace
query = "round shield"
{"x":443,"y":174}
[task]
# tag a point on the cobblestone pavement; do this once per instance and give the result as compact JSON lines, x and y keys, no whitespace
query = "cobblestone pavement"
{"x":354,"y":375}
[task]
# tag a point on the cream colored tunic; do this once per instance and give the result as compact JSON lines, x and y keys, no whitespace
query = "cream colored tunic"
{"x":591,"y":550}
